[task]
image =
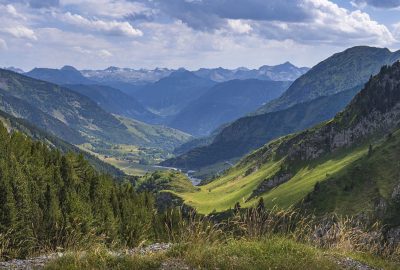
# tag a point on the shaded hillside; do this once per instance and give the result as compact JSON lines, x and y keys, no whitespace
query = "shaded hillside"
{"x":74,"y":110}
{"x":356,"y":153}
{"x":65,"y":75}
{"x":76,"y":118}
{"x":337,"y":73}
{"x":15,"y":124}
{"x":342,"y":72}
{"x":22,"y":109}
{"x":226,"y":102}
{"x":251,"y":132}
{"x":154,"y":135}
{"x":169,"y":95}
{"x":114,"y":101}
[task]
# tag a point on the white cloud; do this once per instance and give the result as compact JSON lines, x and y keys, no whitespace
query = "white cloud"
{"x":396,"y":31}
{"x":13,"y":12}
{"x":239,"y":26}
{"x":14,"y":23}
{"x":104,"y":53}
{"x":108,"y":27}
{"x":329,"y":24}
{"x":21,"y":31}
{"x":334,"y":20}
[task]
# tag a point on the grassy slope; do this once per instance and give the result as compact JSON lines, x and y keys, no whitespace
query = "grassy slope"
{"x":351,"y":180}
{"x":155,"y":136}
{"x":151,"y":143}
{"x":171,"y":181}
{"x":359,"y":179}
{"x":224,"y":192}
{"x":365,"y":182}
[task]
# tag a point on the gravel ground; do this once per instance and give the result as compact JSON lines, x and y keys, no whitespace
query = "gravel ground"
{"x":348,"y":263}
{"x":41,"y":261}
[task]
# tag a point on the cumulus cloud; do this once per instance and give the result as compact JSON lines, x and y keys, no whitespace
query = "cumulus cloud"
{"x":377,"y":3}
{"x":14,"y":23}
{"x":11,"y":10}
{"x":21,"y":31}
{"x":302,"y":21}
{"x":207,"y":14}
{"x":108,"y":27}
{"x":331,"y":24}
{"x":186,"y":32}
{"x":240,"y":26}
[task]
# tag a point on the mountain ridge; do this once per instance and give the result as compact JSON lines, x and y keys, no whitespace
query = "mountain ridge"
{"x":225,"y":102}
{"x":372,"y":58}
{"x":286,"y":170}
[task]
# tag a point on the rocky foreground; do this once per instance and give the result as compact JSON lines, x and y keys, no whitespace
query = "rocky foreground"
{"x":171,"y":264}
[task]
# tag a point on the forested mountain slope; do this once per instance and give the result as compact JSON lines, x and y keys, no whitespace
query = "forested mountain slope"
{"x":50,"y":201}
{"x":114,"y":101}
{"x":13,"y":124}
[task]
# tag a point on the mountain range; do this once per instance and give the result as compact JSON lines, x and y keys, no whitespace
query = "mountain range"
{"x":171,"y":94}
{"x":347,"y":165}
{"x":65,"y":75}
{"x":314,"y":97}
{"x":114,"y":101}
{"x":282,"y":72}
{"x":224,"y":103}
{"x":70,"y":115}
{"x":176,"y":93}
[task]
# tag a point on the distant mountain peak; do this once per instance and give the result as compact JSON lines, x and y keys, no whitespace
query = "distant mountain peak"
{"x":112,"y":69}
{"x":14,"y":69}
{"x":181,"y":73}
{"x":69,"y":68}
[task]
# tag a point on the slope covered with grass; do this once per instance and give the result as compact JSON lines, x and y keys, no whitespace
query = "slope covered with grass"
{"x":285,"y":171}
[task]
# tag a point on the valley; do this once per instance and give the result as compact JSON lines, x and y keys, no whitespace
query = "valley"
{"x":241,"y":160}
{"x":199,"y":135}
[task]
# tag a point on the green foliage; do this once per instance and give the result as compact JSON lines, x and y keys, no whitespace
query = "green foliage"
{"x":101,"y":260}
{"x":165,"y":180}
{"x":49,"y":201}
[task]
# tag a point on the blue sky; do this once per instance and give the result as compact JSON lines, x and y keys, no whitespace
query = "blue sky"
{"x":96,"y":34}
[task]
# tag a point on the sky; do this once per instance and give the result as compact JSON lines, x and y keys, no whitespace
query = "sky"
{"x":96,"y":34}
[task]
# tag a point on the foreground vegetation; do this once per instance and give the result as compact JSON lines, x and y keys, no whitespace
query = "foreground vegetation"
{"x":58,"y":203}
{"x":252,"y":239}
{"x":52,"y":201}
